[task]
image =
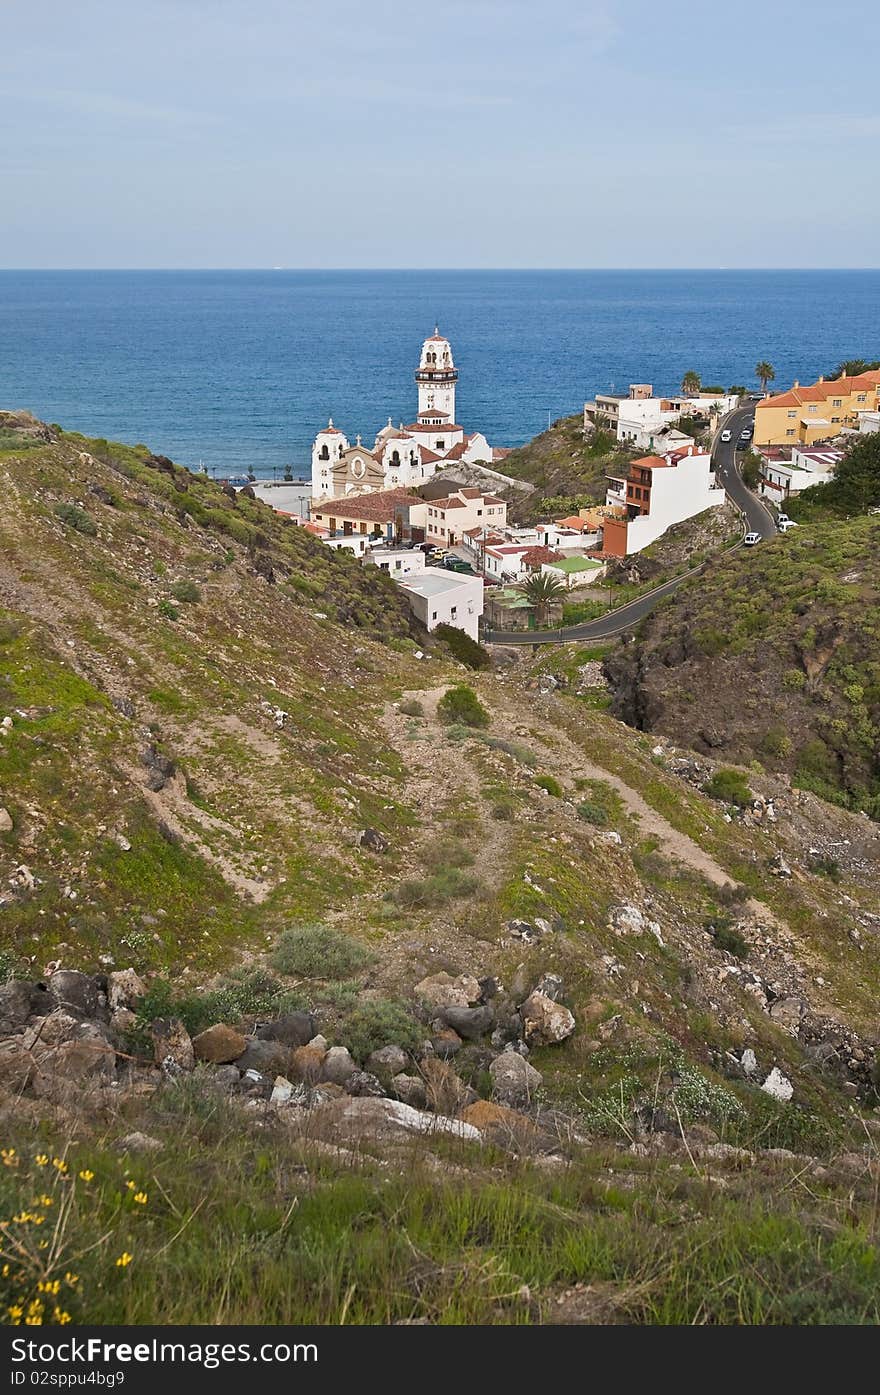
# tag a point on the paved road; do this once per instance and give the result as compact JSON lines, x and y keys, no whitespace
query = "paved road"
{"x":758,"y":519}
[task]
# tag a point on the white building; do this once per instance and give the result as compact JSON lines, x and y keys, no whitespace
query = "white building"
{"x":809,"y":465}
{"x":403,"y":456}
{"x":397,"y":561}
{"x":440,"y":597}
{"x":868,"y":422}
{"x":637,"y":414}
{"x":449,"y":520}
{"x":657,"y":492}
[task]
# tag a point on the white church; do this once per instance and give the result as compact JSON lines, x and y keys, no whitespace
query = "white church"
{"x":403,"y":456}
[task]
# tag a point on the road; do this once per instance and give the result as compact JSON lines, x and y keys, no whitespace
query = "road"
{"x":757,"y":518}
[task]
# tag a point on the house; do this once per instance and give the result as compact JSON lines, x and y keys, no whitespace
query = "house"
{"x":505,"y":562}
{"x":818,"y":412}
{"x":575,"y":571}
{"x":781,"y":476}
{"x":448,"y":520}
{"x":402,"y":456}
{"x":395,"y":560}
{"x":638,"y":416}
{"x":387,"y":513}
{"x":440,"y":597}
{"x":657,"y":492}
{"x":868,"y":422}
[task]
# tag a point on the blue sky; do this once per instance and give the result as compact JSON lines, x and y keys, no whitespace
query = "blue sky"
{"x":460,"y":133}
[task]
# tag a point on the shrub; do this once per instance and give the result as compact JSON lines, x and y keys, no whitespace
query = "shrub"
{"x":318,"y":951}
{"x":462,"y":647}
{"x":550,"y":784}
{"x":444,"y":885}
{"x":825,"y":866}
{"x":730,"y":940}
{"x":169,"y":611}
{"x":445,"y":854}
{"x":592,"y":813}
{"x":186,"y":591}
{"x":412,"y":708}
{"x":381,"y":1022}
{"x":461,"y":706}
{"x":729,"y":786}
{"x":76,"y":518}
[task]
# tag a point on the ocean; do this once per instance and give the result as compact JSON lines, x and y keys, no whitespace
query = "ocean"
{"x":238,"y":369}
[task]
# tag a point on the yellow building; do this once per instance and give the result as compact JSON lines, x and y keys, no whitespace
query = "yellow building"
{"x":805,"y":415}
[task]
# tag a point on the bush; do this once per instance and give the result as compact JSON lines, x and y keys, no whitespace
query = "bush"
{"x":319,"y":951}
{"x":462,"y":647}
{"x":445,"y":854}
{"x":550,"y":784}
{"x":443,"y":886}
{"x":382,"y":1022}
{"x":825,"y":866}
{"x":592,"y":813}
{"x":412,"y":708}
{"x":461,"y":706}
{"x":728,"y":939}
{"x":186,"y":591}
{"x":76,"y":518}
{"x":169,"y":611}
{"x":729,"y":786}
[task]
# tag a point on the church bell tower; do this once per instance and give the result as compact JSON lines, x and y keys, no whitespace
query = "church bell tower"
{"x":436,"y":377}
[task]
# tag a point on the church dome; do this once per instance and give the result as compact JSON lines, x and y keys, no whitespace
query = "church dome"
{"x":436,"y":359}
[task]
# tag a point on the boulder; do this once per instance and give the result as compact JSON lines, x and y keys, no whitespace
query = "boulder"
{"x":410,"y":1089}
{"x":551,"y":986}
{"x":373,"y":840}
{"x":17,"y":1066}
{"x":544,"y":1021}
{"x":125,"y":988}
{"x":6,"y":824}
{"x":778,"y":1086}
{"x":59,"y":1026}
{"x":265,"y":1057}
{"x":354,"y":1120}
{"x":787,"y":1012}
{"x":219,"y":1044}
{"x":363,"y":1084}
{"x":293,"y":1029}
{"x":443,"y":991}
{"x":499,"y":1124}
{"x":514,"y":1081}
{"x":139,"y":1143}
{"x":388,"y":1060}
{"x":81,"y":1058}
{"x":469,"y":1022}
{"x":172,"y":1044}
{"x":15,"y":1006}
{"x":75,"y":990}
{"x":445,"y":1042}
{"x":306,"y":1063}
{"x":338,"y":1065}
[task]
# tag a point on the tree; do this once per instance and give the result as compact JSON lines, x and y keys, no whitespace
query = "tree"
{"x":765,"y":373}
{"x":691,"y":381}
{"x":460,"y":706}
{"x":852,"y":367}
{"x":855,"y":487}
{"x":541,"y":590}
{"x":737,"y":389}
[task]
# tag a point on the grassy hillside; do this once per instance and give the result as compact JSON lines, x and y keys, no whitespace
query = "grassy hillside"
{"x":567,"y":471}
{"x":776,"y":652}
{"x":205,"y":709}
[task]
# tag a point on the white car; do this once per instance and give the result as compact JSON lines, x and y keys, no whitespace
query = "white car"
{"x":727,"y":434}
{"x":751,"y":539}
{"x":784,"y":524}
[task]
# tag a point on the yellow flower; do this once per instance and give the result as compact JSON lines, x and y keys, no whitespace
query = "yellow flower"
{"x":131,"y":1185}
{"x":60,"y":1317}
{"x":23,"y":1217}
{"x":86,"y":1175}
{"x":140,"y":1198}
{"x":5,"y":1271}
{"x":71,"y":1278}
{"x":44,"y":1201}
{"x":8,"y":1157}
{"x":16,"y":1312}
{"x":124,"y":1259}
{"x":49,"y":1286}
{"x":60,"y":1164}
{"x":43,"y":1245}
{"x":41,"y":1159}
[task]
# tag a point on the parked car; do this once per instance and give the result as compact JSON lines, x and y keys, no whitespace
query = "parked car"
{"x":746,"y":434}
{"x":751,"y":539}
{"x":727,"y":434}
{"x":784,"y":524}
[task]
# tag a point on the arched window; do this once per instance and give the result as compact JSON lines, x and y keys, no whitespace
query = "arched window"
{"x":323,"y":453}
{"x":395,"y":459}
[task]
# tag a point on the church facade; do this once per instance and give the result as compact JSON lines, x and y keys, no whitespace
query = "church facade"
{"x":403,"y":456}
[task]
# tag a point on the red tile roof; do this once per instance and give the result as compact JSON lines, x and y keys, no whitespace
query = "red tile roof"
{"x":378,"y":507}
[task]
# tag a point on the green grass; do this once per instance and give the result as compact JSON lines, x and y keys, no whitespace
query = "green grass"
{"x":318,"y":951}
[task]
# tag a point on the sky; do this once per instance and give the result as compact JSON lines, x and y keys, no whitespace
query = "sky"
{"x":447,"y":133}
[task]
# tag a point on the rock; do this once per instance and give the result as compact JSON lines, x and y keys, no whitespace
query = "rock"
{"x":15,"y":1005}
{"x":469,"y":1022}
{"x":226,"y":1077}
{"x":445,"y":1091}
{"x":514,"y":1081}
{"x":338,"y":1065}
{"x":787,"y":1012}
{"x":171,"y":1042}
{"x":22,"y":879}
{"x":388,"y":1060}
{"x":499,"y":1124}
{"x":123,"y":1021}
{"x":749,"y":1061}
{"x":266,"y":1057}
{"x":545,"y":1021}
{"x":779,"y":867}
{"x":282,"y":1091}
{"x":489,"y":989}
{"x":550,"y":986}
{"x":139,"y":1143}
{"x":363,"y":1084}
{"x":57,"y":1027}
{"x":351,"y":1120}
{"x":778,"y":1086}
{"x":306,"y":1063}
{"x":17,"y":1066}
{"x":81,"y":1059}
{"x":524,"y":930}
{"x":219,"y":1045}
{"x":626,"y":919}
{"x":410,"y":1089}
{"x":373,"y":840}
{"x":293,"y":1029}
{"x":446,"y":1043}
{"x":319,"y":1042}
{"x":6,"y":824}
{"x":443,"y":991}
{"x":125,"y":988}
{"x":75,"y":990}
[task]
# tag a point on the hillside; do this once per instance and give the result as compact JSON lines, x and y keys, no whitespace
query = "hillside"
{"x":566,"y":470}
{"x":557,"y":1040}
{"x":771,"y":655}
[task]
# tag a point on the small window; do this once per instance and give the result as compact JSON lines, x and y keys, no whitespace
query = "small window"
{"x":790,"y":431}
{"x":453,"y":611}
{"x":838,"y":402}
{"x":433,"y":615}
{"x":793,"y":414}
{"x":812,"y":408}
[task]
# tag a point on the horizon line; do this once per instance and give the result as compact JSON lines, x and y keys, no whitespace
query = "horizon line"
{"x":422,"y":270}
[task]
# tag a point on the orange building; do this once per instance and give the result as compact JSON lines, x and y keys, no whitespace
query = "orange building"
{"x":804,"y":415}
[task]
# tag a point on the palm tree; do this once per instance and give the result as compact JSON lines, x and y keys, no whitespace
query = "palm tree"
{"x":765,"y":373}
{"x":691,"y":381}
{"x":541,"y":590}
